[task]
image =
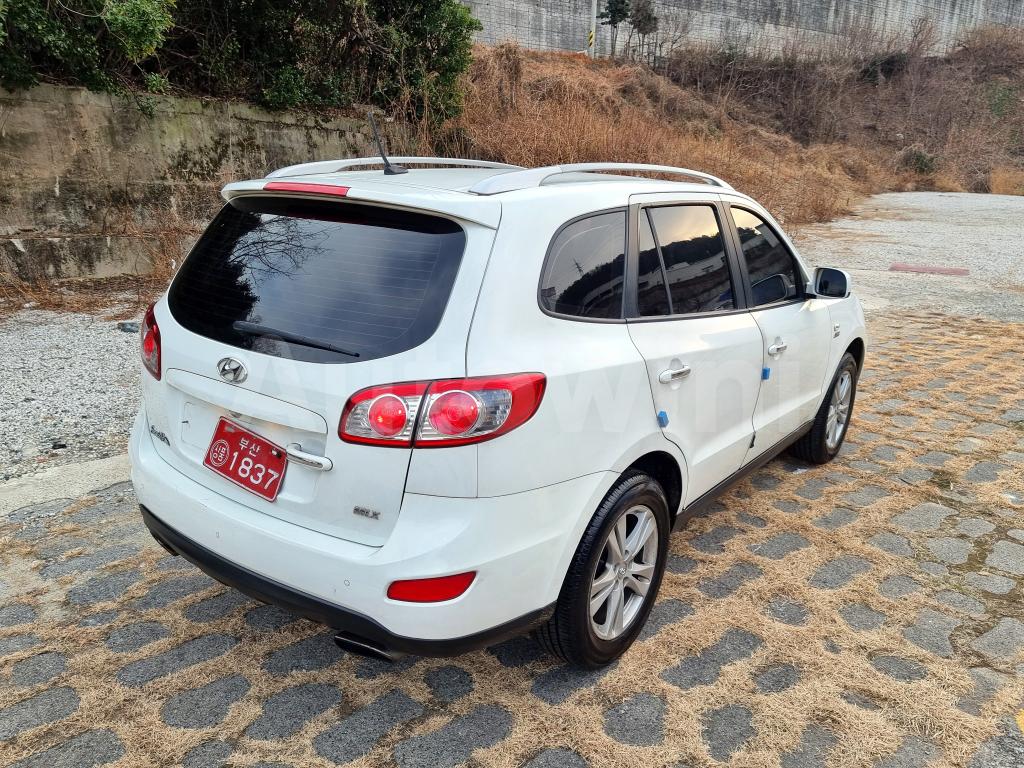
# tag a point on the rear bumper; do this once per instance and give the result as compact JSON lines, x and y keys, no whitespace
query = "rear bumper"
{"x":347,"y":622}
{"x":519,"y":545}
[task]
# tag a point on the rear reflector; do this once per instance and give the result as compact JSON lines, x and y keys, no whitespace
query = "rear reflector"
{"x":431,"y":590}
{"x":311,"y":189}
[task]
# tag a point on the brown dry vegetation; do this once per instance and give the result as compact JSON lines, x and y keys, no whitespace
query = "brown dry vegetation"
{"x":805,"y":131}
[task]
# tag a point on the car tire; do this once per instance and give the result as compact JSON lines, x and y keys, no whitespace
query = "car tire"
{"x":591,"y":640}
{"x":821,"y":444}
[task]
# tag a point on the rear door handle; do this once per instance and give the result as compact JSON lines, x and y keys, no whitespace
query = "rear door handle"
{"x":674,"y":374}
{"x":778,"y":347}
{"x":296,"y":454}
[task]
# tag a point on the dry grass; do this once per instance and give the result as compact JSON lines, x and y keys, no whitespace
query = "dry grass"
{"x":1006,"y":181}
{"x":534,"y":108}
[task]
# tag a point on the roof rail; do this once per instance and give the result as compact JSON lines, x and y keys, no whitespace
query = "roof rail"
{"x":534,"y":177}
{"x":334,"y":166}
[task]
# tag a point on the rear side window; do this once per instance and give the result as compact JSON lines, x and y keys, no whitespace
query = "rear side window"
{"x":585,"y":266}
{"x":774,"y":274}
{"x":318,"y":281}
{"x":693,"y":252}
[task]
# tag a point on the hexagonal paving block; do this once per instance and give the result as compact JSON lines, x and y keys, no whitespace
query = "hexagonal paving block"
{"x":892,"y":543}
{"x":47,"y":707}
{"x":1003,"y":641}
{"x":557,"y":757}
{"x":1007,"y":556}
{"x":316,"y":652}
{"x":705,"y":667}
{"x":85,"y":750}
{"x":777,"y":678}
{"x":923,"y":517}
{"x":664,"y":613}
{"x":205,"y":706}
{"x":452,"y":744}
{"x":780,"y":545}
{"x":209,"y":754}
{"x":949,"y":550}
{"x":358,"y":733}
{"x":287,"y":711}
{"x":216,"y":607}
{"x":16,"y":614}
{"x":189,"y":653}
{"x":898,"y":668}
{"x":168,"y":591}
{"x":989,"y":582}
{"x":38,"y":669}
{"x":861,"y":617}
{"x":132,"y":637}
{"x":839,"y":572}
{"x":449,"y":683}
{"x":724,"y":585}
{"x":932,"y":631}
{"x":815,"y":744}
{"x":558,"y":684}
{"x":727,"y":729}
{"x":713,"y":542}
{"x":787,"y":611}
{"x":914,"y":752}
{"x":638,"y":721}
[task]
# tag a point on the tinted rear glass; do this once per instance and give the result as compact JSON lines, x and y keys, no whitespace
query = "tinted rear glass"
{"x":585,"y":266}
{"x":370,"y":281}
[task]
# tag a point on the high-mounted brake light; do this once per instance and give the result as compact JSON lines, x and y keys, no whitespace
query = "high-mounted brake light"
{"x":150,"y":343}
{"x":308,"y":188}
{"x":431,"y":590}
{"x":438,"y":414}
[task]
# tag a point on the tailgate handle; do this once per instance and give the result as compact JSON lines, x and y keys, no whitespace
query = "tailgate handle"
{"x":295,"y":453}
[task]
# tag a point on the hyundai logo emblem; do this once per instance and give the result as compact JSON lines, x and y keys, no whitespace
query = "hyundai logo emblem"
{"x":232,"y":370}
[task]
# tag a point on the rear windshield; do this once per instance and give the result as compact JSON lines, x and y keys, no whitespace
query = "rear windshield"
{"x":318,"y":281}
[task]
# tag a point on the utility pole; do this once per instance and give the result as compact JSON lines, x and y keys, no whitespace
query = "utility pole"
{"x":592,"y":34}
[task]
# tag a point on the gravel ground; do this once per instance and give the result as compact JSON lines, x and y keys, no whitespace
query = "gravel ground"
{"x":69,"y":384}
{"x":980,"y":233}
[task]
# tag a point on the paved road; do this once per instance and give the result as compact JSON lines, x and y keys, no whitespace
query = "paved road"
{"x":868,"y":613}
{"x":982,"y":234}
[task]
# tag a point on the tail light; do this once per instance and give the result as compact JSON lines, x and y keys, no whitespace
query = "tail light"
{"x":150,"y":333}
{"x":435,"y":414}
{"x":431,"y":590}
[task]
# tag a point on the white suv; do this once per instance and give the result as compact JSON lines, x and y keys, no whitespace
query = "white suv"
{"x":434,"y":409}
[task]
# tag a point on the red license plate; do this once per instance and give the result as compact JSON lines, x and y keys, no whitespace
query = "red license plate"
{"x":246,"y":459}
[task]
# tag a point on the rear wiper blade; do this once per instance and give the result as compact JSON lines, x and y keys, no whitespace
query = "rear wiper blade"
{"x":255,"y":329}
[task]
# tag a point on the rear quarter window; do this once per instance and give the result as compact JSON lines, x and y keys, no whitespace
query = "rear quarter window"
{"x":325,"y":276}
{"x":585,"y":266}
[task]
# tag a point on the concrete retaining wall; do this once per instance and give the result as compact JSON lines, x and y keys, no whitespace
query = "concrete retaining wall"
{"x":563,"y":24}
{"x":90,"y":186}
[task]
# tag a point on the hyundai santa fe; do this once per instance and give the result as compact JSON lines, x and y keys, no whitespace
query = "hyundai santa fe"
{"x":439,"y":405}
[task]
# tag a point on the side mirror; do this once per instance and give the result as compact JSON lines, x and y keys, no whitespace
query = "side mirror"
{"x":831,"y":283}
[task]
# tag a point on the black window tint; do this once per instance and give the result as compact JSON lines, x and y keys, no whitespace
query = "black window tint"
{"x":695,"y":259}
{"x":584,"y":270}
{"x":652,"y":296}
{"x":368,"y":280}
{"x":773,"y":272}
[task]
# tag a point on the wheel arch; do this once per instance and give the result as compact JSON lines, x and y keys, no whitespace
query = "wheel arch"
{"x":663,"y":467}
{"x":857,"y":349}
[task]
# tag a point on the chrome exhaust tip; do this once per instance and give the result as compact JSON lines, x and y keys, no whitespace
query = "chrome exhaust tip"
{"x":365,"y":648}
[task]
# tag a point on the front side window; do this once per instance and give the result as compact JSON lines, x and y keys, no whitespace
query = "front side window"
{"x":694,"y":255}
{"x":774,"y":274}
{"x":585,"y":268}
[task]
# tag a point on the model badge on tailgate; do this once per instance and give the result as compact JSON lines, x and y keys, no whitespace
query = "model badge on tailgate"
{"x":372,"y":514}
